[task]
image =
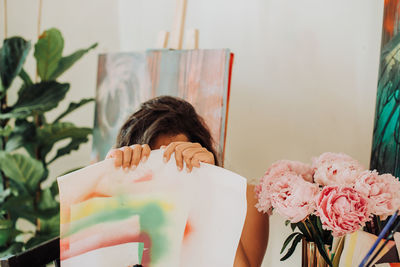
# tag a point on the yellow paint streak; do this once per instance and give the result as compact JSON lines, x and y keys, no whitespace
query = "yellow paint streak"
{"x":95,"y":205}
{"x":352,"y":245}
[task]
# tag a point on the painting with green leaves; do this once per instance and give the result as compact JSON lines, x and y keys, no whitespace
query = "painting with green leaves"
{"x":385,"y":155}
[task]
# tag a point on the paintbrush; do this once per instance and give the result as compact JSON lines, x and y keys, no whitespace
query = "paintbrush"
{"x":380,"y":237}
{"x":384,"y":244}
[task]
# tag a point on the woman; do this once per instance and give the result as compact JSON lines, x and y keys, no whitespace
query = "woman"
{"x":173,"y":124}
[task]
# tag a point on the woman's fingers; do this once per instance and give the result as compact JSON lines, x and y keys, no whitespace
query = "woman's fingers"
{"x":205,"y":156}
{"x":202,"y":156}
{"x":126,"y":163}
{"x":145,"y":152}
{"x":169,"y":150}
{"x":136,"y":155}
{"x":180,"y":158}
{"x":195,"y":163}
{"x":189,"y":153}
{"x":129,"y":156}
{"x":117,"y":155}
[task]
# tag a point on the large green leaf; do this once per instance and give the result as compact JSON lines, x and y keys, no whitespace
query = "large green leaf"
{"x":49,"y":229}
{"x":6,"y":131}
{"x":20,"y":206}
{"x":2,"y":89}
{"x":22,"y":169}
{"x":37,"y":98}
{"x":306,"y":232}
{"x":23,"y":135}
{"x":72,"y":145}
{"x":12,"y":58}
{"x":47,"y":200}
{"x":66,"y":62}
{"x":50,"y":134}
{"x":48,"y":206}
{"x":23,"y":206}
{"x":54,"y":188}
{"x":25,"y":77}
{"x":48,"y":53}
{"x":51,"y":226}
{"x":4,"y":194}
{"x":73,"y":106}
{"x":292,"y":248}
{"x":287,"y":241}
{"x":8,"y":232}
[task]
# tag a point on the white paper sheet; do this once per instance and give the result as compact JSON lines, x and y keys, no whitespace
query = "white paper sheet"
{"x":183,"y":219}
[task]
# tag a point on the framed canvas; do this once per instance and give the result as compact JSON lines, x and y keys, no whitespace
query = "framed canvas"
{"x":125,"y":80}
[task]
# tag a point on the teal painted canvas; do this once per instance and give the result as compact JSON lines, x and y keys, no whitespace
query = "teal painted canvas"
{"x":385,"y":156}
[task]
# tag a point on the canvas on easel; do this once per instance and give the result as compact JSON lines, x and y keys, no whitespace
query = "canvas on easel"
{"x":125,"y":80}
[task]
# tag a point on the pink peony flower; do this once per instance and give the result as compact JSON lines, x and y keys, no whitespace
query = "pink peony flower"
{"x":382,"y":191}
{"x":263,"y":193}
{"x":277,"y":170}
{"x":282,"y":167}
{"x":336,"y":169}
{"x":342,"y":210}
{"x":291,"y":196}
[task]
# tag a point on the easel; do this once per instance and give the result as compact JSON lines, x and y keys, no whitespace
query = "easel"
{"x":176,"y":41}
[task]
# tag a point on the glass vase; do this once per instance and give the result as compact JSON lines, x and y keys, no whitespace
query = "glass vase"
{"x":310,"y":256}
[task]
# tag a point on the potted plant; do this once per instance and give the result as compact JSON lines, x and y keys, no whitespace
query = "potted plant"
{"x":27,"y":137}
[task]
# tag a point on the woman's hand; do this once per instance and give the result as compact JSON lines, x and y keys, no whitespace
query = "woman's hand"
{"x":190,"y":153}
{"x":129,"y":156}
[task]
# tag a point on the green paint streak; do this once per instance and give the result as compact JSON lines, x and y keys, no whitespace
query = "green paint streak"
{"x":101,"y":217}
{"x":140,"y":251}
{"x":152,"y":221}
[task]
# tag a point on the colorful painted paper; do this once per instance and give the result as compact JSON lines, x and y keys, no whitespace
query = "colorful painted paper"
{"x":385,"y":156}
{"x":357,"y":245}
{"x":154,"y":215}
{"x":125,"y":80}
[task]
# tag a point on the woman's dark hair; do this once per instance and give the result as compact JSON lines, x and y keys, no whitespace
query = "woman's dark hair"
{"x":165,"y":115}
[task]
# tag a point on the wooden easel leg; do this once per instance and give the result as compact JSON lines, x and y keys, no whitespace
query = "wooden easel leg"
{"x":179,"y":25}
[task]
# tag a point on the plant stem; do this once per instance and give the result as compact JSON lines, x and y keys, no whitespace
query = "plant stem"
{"x":39,"y":17}
{"x":322,"y":246}
{"x":38,"y":31}
{"x":378,"y":223}
{"x":313,"y":229}
{"x":5,"y":20}
{"x":3,"y":123}
{"x":308,"y":230}
{"x":38,"y":123}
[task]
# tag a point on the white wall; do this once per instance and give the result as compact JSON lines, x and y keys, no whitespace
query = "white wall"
{"x":304,"y":79}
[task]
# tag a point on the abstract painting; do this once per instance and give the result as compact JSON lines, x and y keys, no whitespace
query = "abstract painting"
{"x":385,"y":156}
{"x":125,"y":80}
{"x":154,"y":215}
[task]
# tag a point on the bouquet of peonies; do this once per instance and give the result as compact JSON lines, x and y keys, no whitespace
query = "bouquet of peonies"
{"x":332,"y":197}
